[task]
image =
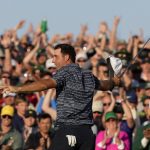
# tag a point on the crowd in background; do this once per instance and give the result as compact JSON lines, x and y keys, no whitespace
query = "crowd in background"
{"x":121,"y":117}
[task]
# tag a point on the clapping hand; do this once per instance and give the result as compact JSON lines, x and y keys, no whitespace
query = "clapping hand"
{"x":116,"y":137}
{"x":146,"y":133}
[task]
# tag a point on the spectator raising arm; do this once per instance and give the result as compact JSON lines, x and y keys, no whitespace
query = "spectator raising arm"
{"x":6,"y":43}
{"x":126,"y":109}
{"x":110,"y":108}
{"x":112,"y":105}
{"x":128,"y":114}
{"x":113,"y":33}
{"x":46,"y":104}
{"x":29,"y":57}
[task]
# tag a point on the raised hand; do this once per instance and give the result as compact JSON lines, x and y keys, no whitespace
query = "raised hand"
{"x":6,"y":41}
{"x":116,"y":20}
{"x":103,"y":27}
{"x":84,"y":28}
{"x":30,"y":29}
{"x":20,"y":24}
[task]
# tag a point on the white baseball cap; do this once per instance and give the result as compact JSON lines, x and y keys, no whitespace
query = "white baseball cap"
{"x":9,"y":94}
{"x":81,"y":55}
{"x":50,"y":64}
{"x":97,"y":105}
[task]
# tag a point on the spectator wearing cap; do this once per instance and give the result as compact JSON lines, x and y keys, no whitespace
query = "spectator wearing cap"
{"x":21,"y":106}
{"x":147,"y":88}
{"x":42,"y":138}
{"x":142,"y":136}
{"x":29,"y":124}
{"x":10,"y":138}
{"x":9,"y":98}
{"x":124,"y":55}
{"x":146,"y":104}
{"x":81,"y":59}
{"x":41,"y":56}
{"x":120,"y":107}
{"x":112,"y":137}
{"x":50,"y":66}
{"x":97,"y":109}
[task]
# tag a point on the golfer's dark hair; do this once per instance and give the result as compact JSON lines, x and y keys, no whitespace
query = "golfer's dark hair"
{"x":67,"y":49}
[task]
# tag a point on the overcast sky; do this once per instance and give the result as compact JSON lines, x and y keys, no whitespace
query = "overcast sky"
{"x":67,"y":15}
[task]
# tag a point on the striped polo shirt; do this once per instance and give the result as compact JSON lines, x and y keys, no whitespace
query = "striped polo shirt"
{"x":74,"y":94}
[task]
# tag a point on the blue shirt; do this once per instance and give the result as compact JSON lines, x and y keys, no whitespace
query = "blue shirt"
{"x":18,"y":123}
{"x":40,"y":103}
{"x":124,"y":127}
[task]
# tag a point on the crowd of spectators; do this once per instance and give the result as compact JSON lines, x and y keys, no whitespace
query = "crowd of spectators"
{"x":121,"y":116}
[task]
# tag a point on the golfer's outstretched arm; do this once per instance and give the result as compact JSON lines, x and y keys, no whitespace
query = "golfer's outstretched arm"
{"x":32,"y":87}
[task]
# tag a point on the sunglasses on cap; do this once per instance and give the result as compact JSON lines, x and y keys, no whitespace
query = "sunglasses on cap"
{"x":111,"y":120}
{"x":97,"y":112}
{"x":6,"y":116}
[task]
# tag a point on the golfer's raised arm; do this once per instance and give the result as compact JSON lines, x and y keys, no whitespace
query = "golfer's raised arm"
{"x":32,"y":87}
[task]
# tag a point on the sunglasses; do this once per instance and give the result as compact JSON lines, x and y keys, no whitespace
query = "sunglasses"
{"x":7,"y":77}
{"x":81,"y":60}
{"x":106,"y":104}
{"x":146,"y":105}
{"x":50,"y":68}
{"x":6,"y":116}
